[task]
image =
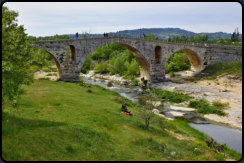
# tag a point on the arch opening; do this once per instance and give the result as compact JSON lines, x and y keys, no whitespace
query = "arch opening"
{"x":144,"y":68}
{"x":70,"y":52}
{"x":48,"y":61}
{"x":157,"y":53}
{"x":100,"y":54}
{"x":182,"y":60}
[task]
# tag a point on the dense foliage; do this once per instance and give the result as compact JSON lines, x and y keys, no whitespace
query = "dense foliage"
{"x":177,"y":62}
{"x":121,"y":61}
{"x":16,"y":57}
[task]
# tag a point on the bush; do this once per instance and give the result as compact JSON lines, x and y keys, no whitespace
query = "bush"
{"x":173,"y":96}
{"x":119,"y":65}
{"x":133,"y":68}
{"x":53,"y":69}
{"x":46,"y":70}
{"x":89,"y":91}
{"x":34,"y":68}
{"x":204,"y":107}
{"x":220,"y":105}
{"x":101,"y":67}
{"x":198,"y":103}
{"x":43,"y":79}
{"x":171,"y":74}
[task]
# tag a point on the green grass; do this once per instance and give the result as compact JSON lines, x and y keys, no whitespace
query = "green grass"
{"x":234,"y":68}
{"x":62,"y":121}
{"x":204,"y":107}
{"x":172,"y":96}
{"x":172,"y":74}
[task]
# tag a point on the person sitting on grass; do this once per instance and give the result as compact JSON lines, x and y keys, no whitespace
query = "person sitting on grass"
{"x":125,"y":111}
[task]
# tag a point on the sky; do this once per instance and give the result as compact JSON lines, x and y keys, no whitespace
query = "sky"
{"x":50,"y":18}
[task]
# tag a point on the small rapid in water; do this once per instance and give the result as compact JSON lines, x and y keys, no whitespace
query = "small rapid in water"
{"x":220,"y":133}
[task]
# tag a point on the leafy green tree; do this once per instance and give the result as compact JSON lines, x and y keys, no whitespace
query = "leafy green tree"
{"x":86,"y":64}
{"x":40,"y":56}
{"x":16,"y":57}
{"x":128,"y":55}
{"x":119,"y":65}
{"x":146,"y":113}
{"x":101,"y":67}
{"x":169,"y":39}
{"x":233,"y":37}
{"x":133,"y":68}
{"x":150,"y":36}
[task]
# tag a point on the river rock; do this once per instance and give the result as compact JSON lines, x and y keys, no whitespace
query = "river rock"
{"x":123,"y":82}
{"x":232,"y":77}
{"x":141,"y":84}
{"x":109,"y":83}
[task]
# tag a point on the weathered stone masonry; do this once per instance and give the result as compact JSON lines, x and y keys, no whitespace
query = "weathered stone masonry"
{"x":151,"y":55}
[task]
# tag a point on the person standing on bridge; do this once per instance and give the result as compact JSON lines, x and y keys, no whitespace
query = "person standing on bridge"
{"x":156,"y":37}
{"x":104,"y":34}
{"x":143,"y":35}
{"x":77,"y":35}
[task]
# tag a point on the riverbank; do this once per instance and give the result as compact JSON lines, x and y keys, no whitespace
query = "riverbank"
{"x":63,"y":121}
{"x":200,"y":89}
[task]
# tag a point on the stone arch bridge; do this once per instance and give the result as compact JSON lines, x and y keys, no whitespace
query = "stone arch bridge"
{"x":152,"y":55}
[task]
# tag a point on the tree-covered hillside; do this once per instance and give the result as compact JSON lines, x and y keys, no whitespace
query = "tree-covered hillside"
{"x":163,"y":33}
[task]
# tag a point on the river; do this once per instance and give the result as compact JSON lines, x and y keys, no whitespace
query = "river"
{"x":220,"y":132}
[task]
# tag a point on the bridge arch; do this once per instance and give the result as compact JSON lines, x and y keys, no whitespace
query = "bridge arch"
{"x":194,"y":58}
{"x":143,"y":64}
{"x":56,"y":62}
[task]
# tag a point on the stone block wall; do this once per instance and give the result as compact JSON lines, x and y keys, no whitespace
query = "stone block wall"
{"x":151,"y":67}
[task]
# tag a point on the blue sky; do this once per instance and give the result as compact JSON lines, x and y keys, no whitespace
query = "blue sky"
{"x":48,"y":19}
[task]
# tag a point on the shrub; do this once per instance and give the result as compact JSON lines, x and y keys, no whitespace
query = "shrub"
{"x":220,"y":105}
{"x":171,"y":74}
{"x":43,"y":79}
{"x":101,"y":67}
{"x":34,"y":68}
{"x":204,"y":107}
{"x":49,"y":74}
{"x":89,"y":91}
{"x":46,"y":70}
{"x":53,"y":69}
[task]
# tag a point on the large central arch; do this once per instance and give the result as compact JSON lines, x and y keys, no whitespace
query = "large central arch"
{"x":144,"y":67}
{"x":143,"y":64}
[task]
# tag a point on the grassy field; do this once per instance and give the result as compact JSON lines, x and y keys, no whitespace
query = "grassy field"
{"x":63,"y":121}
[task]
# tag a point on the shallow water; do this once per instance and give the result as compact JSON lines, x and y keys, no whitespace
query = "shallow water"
{"x":221,"y":133}
{"x":231,"y":136}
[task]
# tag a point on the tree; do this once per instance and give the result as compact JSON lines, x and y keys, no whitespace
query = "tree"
{"x":16,"y":57}
{"x":119,"y":65}
{"x":150,"y":36}
{"x":169,"y":39}
{"x":86,"y":34}
{"x":233,"y":36}
{"x":146,"y":113}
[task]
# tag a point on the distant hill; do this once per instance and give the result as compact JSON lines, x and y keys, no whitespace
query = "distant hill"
{"x":163,"y":33}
